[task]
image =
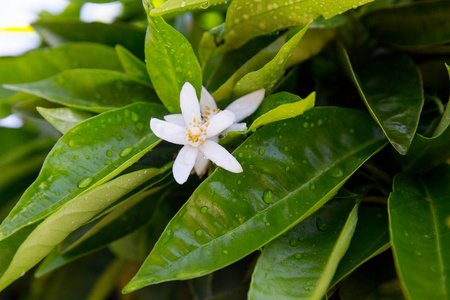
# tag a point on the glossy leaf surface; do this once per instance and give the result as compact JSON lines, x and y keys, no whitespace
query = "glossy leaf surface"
{"x":284,"y":181}
{"x":301,"y":264}
{"x":246,"y":20}
{"x":171,"y":62}
{"x":391,"y":88}
{"x":418,"y":215}
{"x":411,"y":25}
{"x":267,"y":76}
{"x":93,"y":90}
{"x":89,"y":154}
{"x":63,"y":118}
{"x":60,"y":31}
{"x":371,"y":237}
{"x":180,"y":6}
{"x":71,"y":216}
{"x":132,"y":65}
{"x":43,"y":63}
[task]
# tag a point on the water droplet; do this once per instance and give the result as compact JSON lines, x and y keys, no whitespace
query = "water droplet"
{"x":167,"y":236}
{"x":204,"y":209}
{"x":298,"y":255}
{"x":288,"y":292}
{"x":287,"y":168}
{"x":320,"y":122}
{"x":306,"y":288}
{"x":262,"y":151}
{"x":268,"y":196}
{"x":71,"y":143}
{"x":126,"y":151}
{"x":224,"y":251}
{"x":85,"y":182}
{"x":301,"y":239}
{"x":428,"y":237}
{"x":312,"y":186}
{"x":293,"y":242}
{"x":134,"y":116}
{"x":199,"y":232}
{"x":239,"y":181}
{"x":321,"y":225}
{"x":352,"y":131}
{"x":337,"y":173}
{"x":23,"y":273}
{"x":286,"y":148}
{"x":109,"y":153}
{"x":267,"y":224}
{"x":55,"y":153}
{"x":204,"y":5}
{"x":305,"y":125}
{"x":183,"y":4}
{"x":240,"y":155}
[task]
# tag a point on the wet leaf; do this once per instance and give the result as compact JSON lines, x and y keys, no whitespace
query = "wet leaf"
{"x":63,"y":118}
{"x":180,"y":6}
{"x":420,"y":235}
{"x":284,"y":181}
{"x":132,"y":65}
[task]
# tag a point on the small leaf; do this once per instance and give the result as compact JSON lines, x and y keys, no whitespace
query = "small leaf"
{"x":267,"y":76}
{"x":132,"y":65}
{"x":371,"y":238}
{"x":63,"y":118}
{"x":92,"y":90}
{"x":418,"y":214}
{"x":284,"y":181}
{"x":180,"y":6}
{"x":301,"y":264}
{"x":60,"y":31}
{"x":171,"y":63}
{"x":391,"y":88}
{"x":60,"y":224}
{"x":89,"y":154}
{"x":246,"y":20}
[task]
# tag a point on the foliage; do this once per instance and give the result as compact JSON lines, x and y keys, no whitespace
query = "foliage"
{"x":345,"y":188}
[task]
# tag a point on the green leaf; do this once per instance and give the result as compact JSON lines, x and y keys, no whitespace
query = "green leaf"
{"x":91,"y":153}
{"x":246,"y":20}
{"x":63,"y":118}
{"x":132,"y":65}
{"x":301,"y":264}
{"x":284,"y":181}
{"x":180,"y":6}
{"x":371,"y":238}
{"x":420,"y":235}
{"x":391,"y":88}
{"x":43,"y":63}
{"x":60,"y":31}
{"x":92,"y":90}
{"x":411,"y":26}
{"x":171,"y":62}
{"x":267,"y":76}
{"x":71,"y":216}
{"x":271,"y":111}
{"x":445,"y":121}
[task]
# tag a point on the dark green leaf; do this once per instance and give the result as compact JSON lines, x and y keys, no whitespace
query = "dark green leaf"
{"x":171,"y":62}
{"x":63,"y":118}
{"x":371,"y":237}
{"x":301,"y":263}
{"x":93,"y":90}
{"x":132,"y":65}
{"x":60,"y":31}
{"x":284,"y":181}
{"x":391,"y":88}
{"x":418,"y":214}
{"x":445,"y":121}
{"x":88,"y":155}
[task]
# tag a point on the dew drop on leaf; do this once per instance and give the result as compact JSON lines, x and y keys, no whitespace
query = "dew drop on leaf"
{"x":199,"y":232}
{"x":293,"y":242}
{"x":268,"y":196}
{"x":204,"y":209}
{"x":85,"y":182}
{"x":109,"y":153}
{"x":321,"y":225}
{"x":261,"y":151}
{"x":298,"y":255}
{"x":126,"y":151}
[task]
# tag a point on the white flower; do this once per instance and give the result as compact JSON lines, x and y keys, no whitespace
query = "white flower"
{"x":197,"y":135}
{"x":242,"y":108}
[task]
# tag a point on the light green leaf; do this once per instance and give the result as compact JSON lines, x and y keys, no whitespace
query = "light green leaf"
{"x":246,"y":20}
{"x":63,"y":118}
{"x":171,"y":63}
{"x":391,"y":88}
{"x":371,"y":238}
{"x":301,"y":264}
{"x":92,"y":90}
{"x":284,"y":181}
{"x":420,"y":236}
{"x":68,"y":218}
{"x":132,"y":65}
{"x":267,"y":76}
{"x":180,"y":6}
{"x":89,"y":154}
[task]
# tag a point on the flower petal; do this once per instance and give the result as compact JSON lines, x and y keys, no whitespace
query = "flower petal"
{"x":219,"y":123}
{"x":189,"y":104}
{"x":184,"y":163}
{"x":207,"y":99}
{"x":246,"y":105}
{"x":201,"y":165}
{"x":235,"y":127}
{"x":176,"y":119}
{"x":168,"y":131}
{"x":220,"y":156}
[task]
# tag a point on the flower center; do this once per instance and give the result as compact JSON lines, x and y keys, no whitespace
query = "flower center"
{"x":196,"y":133}
{"x":208,"y":113}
